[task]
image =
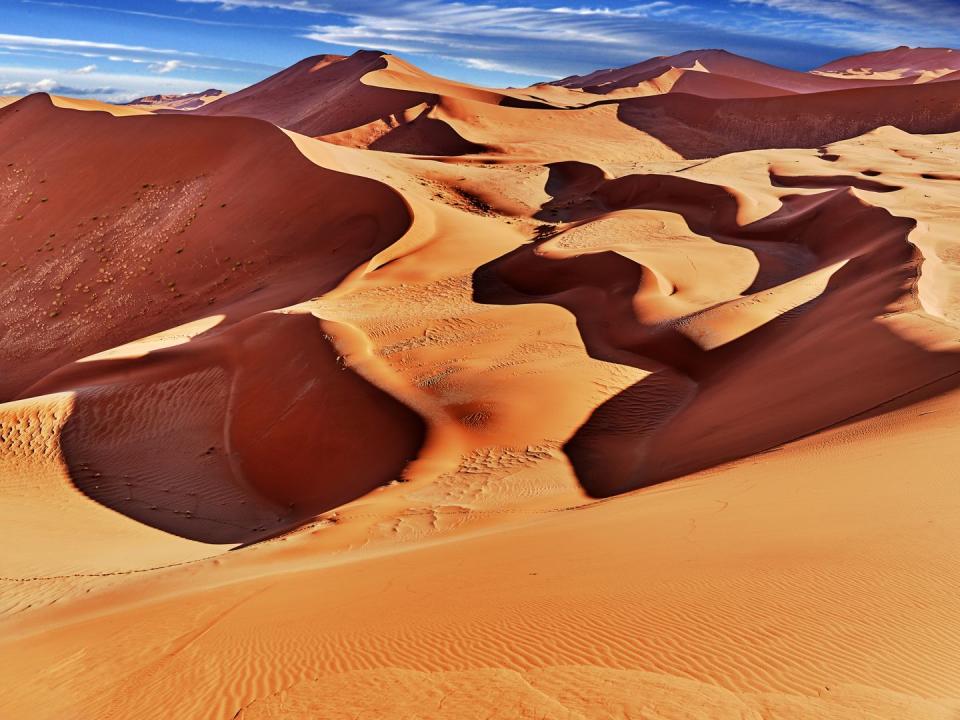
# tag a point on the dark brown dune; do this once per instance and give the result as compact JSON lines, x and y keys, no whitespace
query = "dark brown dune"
{"x":117,"y":228}
{"x":714,"y":85}
{"x":321,"y":95}
{"x":327,"y":97}
{"x":186,"y":438}
{"x":167,"y":103}
{"x":702,"y":127}
{"x":907,"y":60}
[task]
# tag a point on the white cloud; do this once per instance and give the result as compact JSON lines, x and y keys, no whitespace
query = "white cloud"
{"x":49,"y":85}
{"x":635,"y":11}
{"x":143,"y":13}
{"x":45,"y":85}
{"x":112,"y":87}
{"x":409,"y":26}
{"x":873,"y":24}
{"x":86,"y":69}
{"x":25,"y":88}
{"x":50,"y":42}
{"x":304,"y":6}
{"x":165,"y":67}
{"x":36,"y":46}
{"x":500,"y":67}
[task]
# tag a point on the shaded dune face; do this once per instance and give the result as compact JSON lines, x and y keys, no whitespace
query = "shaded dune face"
{"x":116,"y":228}
{"x":426,"y":136}
{"x":320,"y":96}
{"x":904,"y":59}
{"x":234,"y":437}
{"x":828,"y":265}
{"x":698,"y":127}
{"x":327,"y":97}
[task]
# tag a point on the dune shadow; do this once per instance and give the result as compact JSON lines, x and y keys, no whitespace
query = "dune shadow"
{"x":236,"y":437}
{"x":820,"y":364}
{"x":427,"y":136}
{"x":699,"y":127}
{"x":823,"y":182}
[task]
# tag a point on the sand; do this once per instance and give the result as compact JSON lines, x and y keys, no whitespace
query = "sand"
{"x":176,"y":103}
{"x":915,"y":64}
{"x":572,"y":401}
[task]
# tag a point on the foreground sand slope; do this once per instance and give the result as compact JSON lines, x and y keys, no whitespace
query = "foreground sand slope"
{"x":814,"y":583}
{"x":559,"y":429}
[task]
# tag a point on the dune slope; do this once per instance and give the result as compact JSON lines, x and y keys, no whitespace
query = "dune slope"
{"x":704,"y":127}
{"x":103,"y":247}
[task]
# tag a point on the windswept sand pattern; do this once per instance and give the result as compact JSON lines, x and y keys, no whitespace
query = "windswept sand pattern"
{"x":365,"y":393}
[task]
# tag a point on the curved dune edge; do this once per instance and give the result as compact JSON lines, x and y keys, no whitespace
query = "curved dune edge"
{"x":644,"y":293}
{"x":81,"y":104}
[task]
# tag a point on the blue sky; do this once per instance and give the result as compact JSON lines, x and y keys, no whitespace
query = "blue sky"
{"x":119,"y":49}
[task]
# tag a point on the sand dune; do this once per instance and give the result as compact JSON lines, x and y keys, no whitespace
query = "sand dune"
{"x":369,"y":99}
{"x":105,"y":248}
{"x":731,"y":76}
{"x":396,"y":107}
{"x":703,"y":127}
{"x":904,"y":62}
{"x":185,"y":102}
{"x":632,"y":396}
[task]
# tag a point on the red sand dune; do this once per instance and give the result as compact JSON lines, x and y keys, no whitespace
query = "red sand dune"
{"x":738,"y":76}
{"x":105,"y":244}
{"x":906,"y":61}
{"x":188,"y":101}
{"x":218,"y":409}
{"x":633,"y":396}
{"x":703,"y":127}
{"x":320,"y":95}
{"x":367,"y":99}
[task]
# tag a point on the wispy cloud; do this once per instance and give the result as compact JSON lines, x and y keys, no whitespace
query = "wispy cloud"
{"x":154,"y":15}
{"x":500,"y":67}
{"x":566,"y":37}
{"x":867,"y":24}
{"x":119,"y":52}
{"x":53,"y":42}
{"x":165,"y":67}
{"x":112,"y":87}
{"x":86,"y":69}
{"x":535,"y":39}
{"x":49,"y":85}
{"x":301,"y":6}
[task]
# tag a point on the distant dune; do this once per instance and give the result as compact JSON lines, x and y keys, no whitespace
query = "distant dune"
{"x":189,"y":101}
{"x":361,"y":392}
{"x":903,"y":62}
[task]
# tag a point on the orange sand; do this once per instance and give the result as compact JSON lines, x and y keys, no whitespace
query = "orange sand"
{"x":632,"y":396}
